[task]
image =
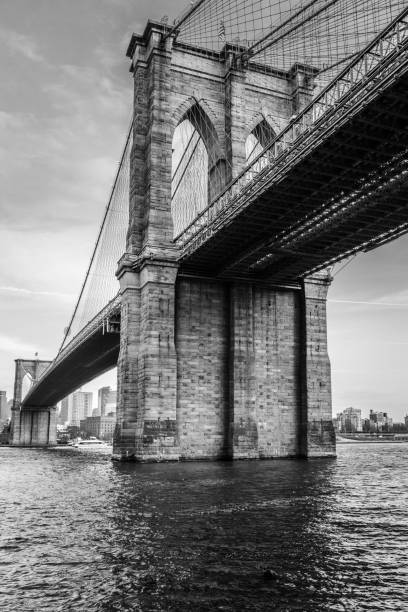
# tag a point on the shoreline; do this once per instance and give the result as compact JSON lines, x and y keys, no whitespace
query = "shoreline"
{"x":343,"y":440}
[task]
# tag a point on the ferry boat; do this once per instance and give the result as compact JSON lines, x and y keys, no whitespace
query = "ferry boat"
{"x":90,"y":443}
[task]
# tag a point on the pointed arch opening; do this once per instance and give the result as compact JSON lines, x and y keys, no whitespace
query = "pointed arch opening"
{"x":189,"y":185}
{"x":26,"y":384}
{"x":198,"y":168}
{"x":258,"y":139}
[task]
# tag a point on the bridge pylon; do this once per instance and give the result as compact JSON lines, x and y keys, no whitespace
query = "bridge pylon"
{"x":31,"y":425}
{"x":211,"y":366}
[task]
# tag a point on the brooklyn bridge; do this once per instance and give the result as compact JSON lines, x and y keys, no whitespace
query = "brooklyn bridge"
{"x":268,"y":141}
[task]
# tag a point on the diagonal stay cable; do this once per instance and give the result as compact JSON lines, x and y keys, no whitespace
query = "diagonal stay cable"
{"x":107,"y":209}
{"x":183,"y":18}
{"x":184,"y":154}
{"x":269,"y":42}
{"x":186,"y":166}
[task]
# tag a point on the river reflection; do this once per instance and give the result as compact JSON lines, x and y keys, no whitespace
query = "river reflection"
{"x":83,"y":533}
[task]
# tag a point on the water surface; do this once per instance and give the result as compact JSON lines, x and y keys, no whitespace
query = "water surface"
{"x":80,"y":532}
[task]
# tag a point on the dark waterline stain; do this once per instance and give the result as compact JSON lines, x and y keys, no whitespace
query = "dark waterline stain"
{"x":80,"y":532}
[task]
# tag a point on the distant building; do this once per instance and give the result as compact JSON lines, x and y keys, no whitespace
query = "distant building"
{"x":75,"y":407}
{"x":5,"y":407}
{"x":106,"y":401}
{"x":81,"y":406}
{"x":349,"y":421}
{"x":65,"y":412}
{"x":72,"y":431}
{"x":380,"y":421}
{"x":101,"y":427}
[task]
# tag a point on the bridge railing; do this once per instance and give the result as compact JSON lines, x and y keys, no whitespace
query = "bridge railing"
{"x":390,"y":43}
{"x":92,"y":326}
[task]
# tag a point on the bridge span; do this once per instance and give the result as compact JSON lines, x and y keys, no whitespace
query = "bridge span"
{"x":238,"y":187}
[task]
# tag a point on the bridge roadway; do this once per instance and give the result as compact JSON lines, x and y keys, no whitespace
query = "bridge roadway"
{"x":93,"y":351}
{"x":341,"y":187}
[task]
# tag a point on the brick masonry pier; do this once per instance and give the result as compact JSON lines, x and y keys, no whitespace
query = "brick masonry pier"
{"x":31,"y":426}
{"x":209,"y":368}
{"x":225,"y":370}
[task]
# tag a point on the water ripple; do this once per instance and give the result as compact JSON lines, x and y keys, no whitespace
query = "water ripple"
{"x":82,"y":533}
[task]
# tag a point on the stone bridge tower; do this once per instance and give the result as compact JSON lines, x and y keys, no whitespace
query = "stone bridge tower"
{"x":210,"y":368}
{"x":31,"y":426}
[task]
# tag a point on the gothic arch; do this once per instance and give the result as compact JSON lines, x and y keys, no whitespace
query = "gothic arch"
{"x":261,"y":128}
{"x":260,"y":135}
{"x":31,"y":368}
{"x":203,"y":119}
{"x":276,"y":123}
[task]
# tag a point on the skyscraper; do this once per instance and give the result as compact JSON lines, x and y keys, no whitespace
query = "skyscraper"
{"x":106,"y":401}
{"x":349,"y":420}
{"x":66,"y":410}
{"x":81,"y":406}
{"x":76,"y":407}
{"x":4,"y":407}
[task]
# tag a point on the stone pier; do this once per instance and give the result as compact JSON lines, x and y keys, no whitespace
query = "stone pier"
{"x":211,"y":368}
{"x":31,"y":425}
{"x":230,"y":371}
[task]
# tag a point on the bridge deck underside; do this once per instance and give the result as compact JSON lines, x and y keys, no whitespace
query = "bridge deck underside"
{"x":344,"y":195}
{"x":95,"y":355}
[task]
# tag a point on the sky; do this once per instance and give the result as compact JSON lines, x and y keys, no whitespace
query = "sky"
{"x":65,"y":105}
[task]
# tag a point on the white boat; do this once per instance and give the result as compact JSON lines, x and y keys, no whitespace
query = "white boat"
{"x":91,"y":443}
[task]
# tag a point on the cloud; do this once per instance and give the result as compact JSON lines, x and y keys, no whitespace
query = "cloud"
{"x":29,"y":292}
{"x":371,"y":303}
{"x":10,"y":121}
{"x":394,"y":299}
{"x":398,"y":297}
{"x":109,"y":57}
{"x":20,"y":43}
{"x":14,"y":345}
{"x":87,"y":91}
{"x":68,"y":164}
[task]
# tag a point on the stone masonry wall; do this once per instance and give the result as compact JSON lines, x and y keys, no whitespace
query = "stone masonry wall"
{"x":202,"y":338}
{"x":34,"y":427}
{"x":209,"y":369}
{"x":317,"y":432}
{"x":147,"y":366}
{"x":265,"y":386}
{"x":238,"y":387}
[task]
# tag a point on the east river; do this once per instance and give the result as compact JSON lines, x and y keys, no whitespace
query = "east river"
{"x":80,"y":532}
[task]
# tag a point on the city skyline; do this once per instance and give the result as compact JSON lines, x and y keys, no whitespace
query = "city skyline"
{"x":65,"y":139}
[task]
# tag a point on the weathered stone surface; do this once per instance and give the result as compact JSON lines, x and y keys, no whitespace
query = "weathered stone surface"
{"x":147,"y":365}
{"x":34,"y":427}
{"x":210,"y":369}
{"x":202,"y":345}
{"x":31,"y":426}
{"x":264,"y":372}
{"x":317,"y":432}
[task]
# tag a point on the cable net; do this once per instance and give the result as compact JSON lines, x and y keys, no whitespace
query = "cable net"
{"x":322,"y":35}
{"x":319,"y":33}
{"x":100,"y":285}
{"x":189,"y":188}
